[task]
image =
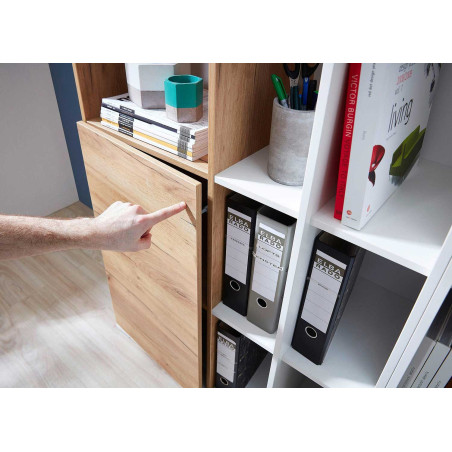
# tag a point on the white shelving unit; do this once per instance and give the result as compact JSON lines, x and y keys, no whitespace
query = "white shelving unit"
{"x":250,"y":178}
{"x":408,"y":240}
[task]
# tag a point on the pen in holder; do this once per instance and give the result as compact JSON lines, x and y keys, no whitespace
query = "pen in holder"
{"x":289,"y":144}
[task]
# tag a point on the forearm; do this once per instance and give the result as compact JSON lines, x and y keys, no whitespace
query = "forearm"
{"x":27,"y":236}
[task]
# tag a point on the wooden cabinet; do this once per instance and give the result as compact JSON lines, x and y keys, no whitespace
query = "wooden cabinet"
{"x":157,"y":293}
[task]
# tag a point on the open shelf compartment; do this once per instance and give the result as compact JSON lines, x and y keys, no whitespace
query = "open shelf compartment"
{"x":249,"y":177}
{"x":243,"y":326}
{"x":410,"y":228}
{"x":366,"y":334}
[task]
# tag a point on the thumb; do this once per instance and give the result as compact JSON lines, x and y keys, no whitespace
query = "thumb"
{"x":162,"y":214}
{"x":144,"y":242}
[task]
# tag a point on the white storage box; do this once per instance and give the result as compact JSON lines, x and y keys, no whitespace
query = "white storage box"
{"x":145,"y":81}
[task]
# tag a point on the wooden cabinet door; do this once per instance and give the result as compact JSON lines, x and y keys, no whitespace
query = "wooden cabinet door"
{"x":156,"y":293}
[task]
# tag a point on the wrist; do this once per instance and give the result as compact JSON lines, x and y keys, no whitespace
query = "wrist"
{"x":86,"y":234}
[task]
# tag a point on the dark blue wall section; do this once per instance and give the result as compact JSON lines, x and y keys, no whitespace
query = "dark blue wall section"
{"x":66,"y":94}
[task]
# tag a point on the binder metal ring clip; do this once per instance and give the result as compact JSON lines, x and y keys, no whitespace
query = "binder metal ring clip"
{"x":234,"y":285}
{"x":311,"y":332}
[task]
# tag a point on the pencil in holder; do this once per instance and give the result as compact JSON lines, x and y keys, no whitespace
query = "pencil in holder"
{"x":290,"y":137}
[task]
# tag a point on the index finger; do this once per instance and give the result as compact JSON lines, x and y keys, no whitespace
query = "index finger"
{"x":163,"y":214}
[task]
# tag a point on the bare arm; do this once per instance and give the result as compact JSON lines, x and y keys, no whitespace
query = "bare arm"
{"x":121,"y":227}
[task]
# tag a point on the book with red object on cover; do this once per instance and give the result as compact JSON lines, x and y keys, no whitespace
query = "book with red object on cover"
{"x":384,"y":133}
{"x":347,"y":135}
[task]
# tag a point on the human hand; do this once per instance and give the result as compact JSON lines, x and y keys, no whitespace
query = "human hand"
{"x":127,"y":227}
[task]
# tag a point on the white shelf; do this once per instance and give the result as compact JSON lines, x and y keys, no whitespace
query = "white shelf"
{"x":249,"y":177}
{"x":242,"y":325}
{"x":411,"y":226}
{"x":260,"y":377}
{"x":366,"y":334}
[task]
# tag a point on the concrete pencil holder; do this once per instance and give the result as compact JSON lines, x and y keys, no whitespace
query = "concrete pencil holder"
{"x":289,"y":144}
{"x":183,"y":98}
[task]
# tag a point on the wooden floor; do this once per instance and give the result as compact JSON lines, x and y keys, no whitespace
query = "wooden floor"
{"x":57,"y":327}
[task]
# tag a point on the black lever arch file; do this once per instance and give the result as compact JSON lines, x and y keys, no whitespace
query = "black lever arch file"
{"x":237,"y":358}
{"x":240,"y":225}
{"x":332,"y":273}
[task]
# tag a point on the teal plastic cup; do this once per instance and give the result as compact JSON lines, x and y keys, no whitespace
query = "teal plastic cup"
{"x":183,"y":98}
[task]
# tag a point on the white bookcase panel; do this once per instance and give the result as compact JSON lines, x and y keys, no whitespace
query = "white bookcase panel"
{"x":390,"y":308}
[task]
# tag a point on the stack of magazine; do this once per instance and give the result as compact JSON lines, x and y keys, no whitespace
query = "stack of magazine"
{"x":187,"y":140}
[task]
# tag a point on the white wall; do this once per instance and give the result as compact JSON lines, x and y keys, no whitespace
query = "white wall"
{"x":35,"y":171}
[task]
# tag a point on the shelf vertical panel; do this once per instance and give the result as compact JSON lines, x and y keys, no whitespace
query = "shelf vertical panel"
{"x":319,"y":186}
{"x":240,"y":110}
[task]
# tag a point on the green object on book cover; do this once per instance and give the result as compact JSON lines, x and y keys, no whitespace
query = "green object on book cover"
{"x":183,"y":91}
{"x":406,"y":154}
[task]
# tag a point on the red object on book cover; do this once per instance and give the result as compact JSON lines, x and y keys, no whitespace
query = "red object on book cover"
{"x":354,"y":72}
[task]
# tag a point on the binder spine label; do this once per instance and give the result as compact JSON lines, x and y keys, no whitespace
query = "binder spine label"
{"x":238,"y":233}
{"x":324,"y":286}
{"x":226,"y":349}
{"x":267,"y":263}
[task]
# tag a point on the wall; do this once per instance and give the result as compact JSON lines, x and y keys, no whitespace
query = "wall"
{"x":35,"y":172}
{"x":67,"y":99}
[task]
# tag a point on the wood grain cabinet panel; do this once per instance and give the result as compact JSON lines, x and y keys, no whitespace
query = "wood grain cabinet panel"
{"x":156,"y":293}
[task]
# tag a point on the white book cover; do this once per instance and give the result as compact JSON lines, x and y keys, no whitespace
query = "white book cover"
{"x":158,"y":116}
{"x":392,"y":110}
{"x":431,"y":366}
{"x":444,"y":373}
{"x":417,"y":362}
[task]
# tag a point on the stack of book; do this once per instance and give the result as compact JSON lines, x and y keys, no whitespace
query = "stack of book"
{"x":431,"y":366}
{"x":188,"y":140}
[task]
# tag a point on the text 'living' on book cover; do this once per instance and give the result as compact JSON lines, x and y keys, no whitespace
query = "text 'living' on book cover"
{"x":390,"y":116}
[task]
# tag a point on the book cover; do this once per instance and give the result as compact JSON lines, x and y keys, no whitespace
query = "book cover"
{"x":392,"y":110}
{"x":354,"y":73}
{"x":444,"y":373}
